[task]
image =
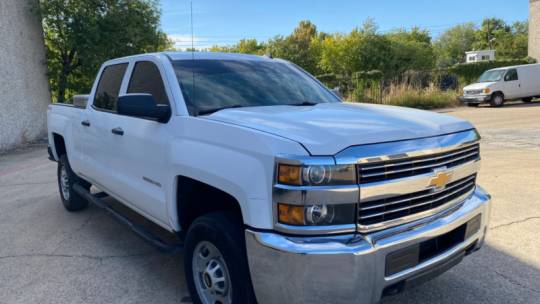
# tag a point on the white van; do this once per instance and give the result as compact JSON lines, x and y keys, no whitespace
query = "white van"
{"x":501,"y":84}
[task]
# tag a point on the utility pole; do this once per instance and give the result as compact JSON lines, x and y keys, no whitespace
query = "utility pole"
{"x":489,"y":35}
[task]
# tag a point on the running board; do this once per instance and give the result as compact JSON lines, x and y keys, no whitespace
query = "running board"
{"x":97,"y":199}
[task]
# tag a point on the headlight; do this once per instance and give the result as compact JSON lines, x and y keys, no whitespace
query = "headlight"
{"x":316,"y":215}
{"x":487,"y":90}
{"x":316,"y":175}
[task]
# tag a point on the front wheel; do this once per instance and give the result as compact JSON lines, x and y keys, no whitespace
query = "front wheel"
{"x":215,"y":261}
{"x":497,"y":100}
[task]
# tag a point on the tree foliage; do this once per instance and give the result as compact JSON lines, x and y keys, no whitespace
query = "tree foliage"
{"x":244,"y":46}
{"x":81,"y":35}
{"x":451,"y":46}
{"x":298,"y":47}
{"x":509,"y":41}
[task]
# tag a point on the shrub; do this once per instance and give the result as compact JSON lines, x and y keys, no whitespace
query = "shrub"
{"x":427,"y":98}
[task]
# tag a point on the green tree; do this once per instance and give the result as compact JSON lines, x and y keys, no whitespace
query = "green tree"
{"x":81,"y":35}
{"x":411,"y":50}
{"x":298,"y":47}
{"x":363,"y":49}
{"x":244,"y":46}
{"x":451,"y":46}
{"x":520,"y":43}
{"x":490,"y":33}
{"x":510,"y":41}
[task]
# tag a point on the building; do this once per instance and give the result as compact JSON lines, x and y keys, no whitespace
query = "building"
{"x":477,"y":56}
{"x":24,"y":90}
{"x":534,"y":29}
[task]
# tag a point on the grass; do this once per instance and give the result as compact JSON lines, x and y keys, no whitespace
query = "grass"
{"x":408,"y":96}
{"x":428,"y":98}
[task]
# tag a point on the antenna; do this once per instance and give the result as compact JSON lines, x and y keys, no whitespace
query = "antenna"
{"x":191,"y":14}
{"x":192,"y":55}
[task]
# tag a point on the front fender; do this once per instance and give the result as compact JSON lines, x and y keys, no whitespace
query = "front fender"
{"x":234,"y":159}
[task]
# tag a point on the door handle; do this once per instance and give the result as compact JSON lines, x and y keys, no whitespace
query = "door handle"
{"x":118,"y":131}
{"x":85,"y":123}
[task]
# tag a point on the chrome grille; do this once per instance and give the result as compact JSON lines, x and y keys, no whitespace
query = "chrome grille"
{"x":399,"y":168}
{"x":388,"y":209}
{"x":473,"y":92}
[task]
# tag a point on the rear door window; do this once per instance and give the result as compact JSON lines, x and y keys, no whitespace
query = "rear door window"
{"x":108,"y":88}
{"x":147,"y":79}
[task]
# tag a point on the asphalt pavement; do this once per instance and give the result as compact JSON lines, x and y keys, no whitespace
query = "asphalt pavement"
{"x":48,"y":255}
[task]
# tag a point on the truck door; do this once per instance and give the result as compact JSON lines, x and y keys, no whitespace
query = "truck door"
{"x":139,"y":154}
{"x":512,"y":85}
{"x":96,"y":131}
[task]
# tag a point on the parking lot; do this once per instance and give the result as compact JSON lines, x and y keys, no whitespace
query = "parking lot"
{"x":48,"y":255}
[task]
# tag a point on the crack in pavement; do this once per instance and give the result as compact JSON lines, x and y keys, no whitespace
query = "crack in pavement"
{"x":75,"y":256}
{"x":70,"y":235}
{"x":515,"y":222}
{"x":515,"y":283}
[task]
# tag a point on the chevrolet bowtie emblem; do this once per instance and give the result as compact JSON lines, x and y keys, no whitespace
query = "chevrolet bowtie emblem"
{"x":440,"y":179}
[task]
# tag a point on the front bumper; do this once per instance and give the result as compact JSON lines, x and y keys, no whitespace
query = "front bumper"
{"x":475,"y":98}
{"x":352,"y":268}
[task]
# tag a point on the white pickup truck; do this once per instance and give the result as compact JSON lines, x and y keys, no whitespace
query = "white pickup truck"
{"x":281,"y":192}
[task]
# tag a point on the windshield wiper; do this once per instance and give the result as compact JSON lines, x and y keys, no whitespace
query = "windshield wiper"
{"x":213,"y":110}
{"x":304,"y":103}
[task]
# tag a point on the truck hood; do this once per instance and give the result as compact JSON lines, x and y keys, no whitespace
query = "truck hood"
{"x":326,"y":129}
{"x":479,"y":86}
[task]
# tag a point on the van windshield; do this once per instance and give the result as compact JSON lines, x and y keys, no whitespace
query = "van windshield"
{"x":212,"y":85}
{"x":492,"y":76}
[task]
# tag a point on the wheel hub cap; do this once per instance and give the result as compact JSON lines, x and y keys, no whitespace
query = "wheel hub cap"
{"x":64,"y":182}
{"x":211,"y":275}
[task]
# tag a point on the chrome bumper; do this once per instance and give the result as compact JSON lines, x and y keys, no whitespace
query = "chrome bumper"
{"x":351,"y":268}
{"x":474,"y":98}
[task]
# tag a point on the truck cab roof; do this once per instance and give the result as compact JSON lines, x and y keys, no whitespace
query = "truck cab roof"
{"x":197,"y":56}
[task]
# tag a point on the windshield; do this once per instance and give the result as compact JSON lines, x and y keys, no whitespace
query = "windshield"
{"x":211,"y":85}
{"x":492,"y":76}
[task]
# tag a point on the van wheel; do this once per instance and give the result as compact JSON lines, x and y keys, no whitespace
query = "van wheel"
{"x":215,"y":261}
{"x":66,"y":179}
{"x":528,"y":99}
{"x":497,"y":100}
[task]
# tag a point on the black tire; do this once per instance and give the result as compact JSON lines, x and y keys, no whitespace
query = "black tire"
{"x":71,"y":200}
{"x":225,"y":231}
{"x":473,"y":105}
{"x":528,"y":99}
{"x":497,"y":100}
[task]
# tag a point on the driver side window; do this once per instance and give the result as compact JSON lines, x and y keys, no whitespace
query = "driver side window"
{"x":147,"y":79}
{"x":511,"y":75}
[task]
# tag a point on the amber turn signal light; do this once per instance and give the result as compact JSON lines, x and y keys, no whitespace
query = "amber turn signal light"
{"x":290,"y":175}
{"x":291,"y":215}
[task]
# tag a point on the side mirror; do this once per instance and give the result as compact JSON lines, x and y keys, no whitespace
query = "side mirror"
{"x":337,"y":92}
{"x":143,"y":106}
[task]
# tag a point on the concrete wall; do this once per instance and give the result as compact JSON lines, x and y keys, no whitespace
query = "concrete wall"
{"x":24,"y":90}
{"x":534,"y":29}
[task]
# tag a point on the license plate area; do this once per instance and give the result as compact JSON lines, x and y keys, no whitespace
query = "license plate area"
{"x":413,"y":255}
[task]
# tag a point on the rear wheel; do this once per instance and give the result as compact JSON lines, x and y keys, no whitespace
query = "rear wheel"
{"x":215,"y":261}
{"x":528,"y":99}
{"x":497,"y":100}
{"x":66,"y":180}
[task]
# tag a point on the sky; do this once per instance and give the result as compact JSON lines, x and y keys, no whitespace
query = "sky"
{"x":225,"y":22}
